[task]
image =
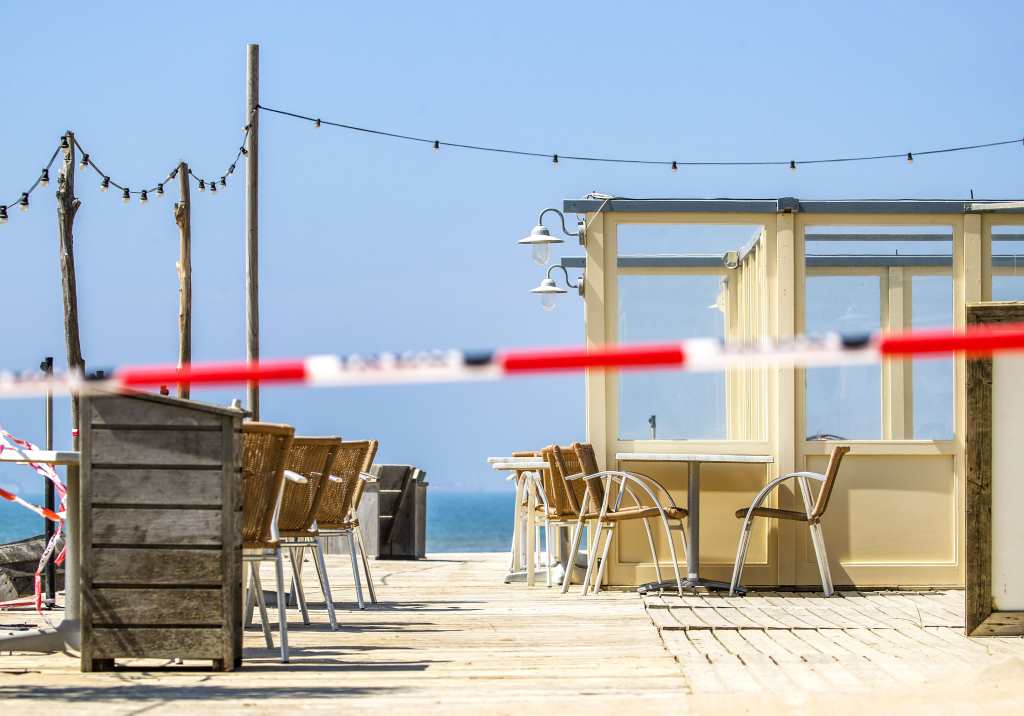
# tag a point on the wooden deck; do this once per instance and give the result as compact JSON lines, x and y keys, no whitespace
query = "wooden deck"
{"x":449,"y":637}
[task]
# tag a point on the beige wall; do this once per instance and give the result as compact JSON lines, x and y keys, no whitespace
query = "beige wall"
{"x":897,"y":515}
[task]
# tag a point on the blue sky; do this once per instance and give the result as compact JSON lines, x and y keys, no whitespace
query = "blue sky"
{"x":371,"y":244}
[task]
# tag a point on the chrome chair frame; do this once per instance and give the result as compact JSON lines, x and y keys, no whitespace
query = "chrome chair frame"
{"x":814,"y":523}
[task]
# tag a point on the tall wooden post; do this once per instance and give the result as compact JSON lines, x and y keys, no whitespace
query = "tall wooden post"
{"x":67,"y":207}
{"x":252,"y":274}
{"x":183,"y":218}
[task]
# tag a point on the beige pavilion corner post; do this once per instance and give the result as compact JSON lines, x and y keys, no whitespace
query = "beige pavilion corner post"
{"x":594,"y":321}
{"x":252,"y":233}
{"x":788,"y":302}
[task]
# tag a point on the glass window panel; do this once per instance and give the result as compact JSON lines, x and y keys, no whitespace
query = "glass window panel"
{"x":932,"y":384}
{"x":700,"y":239}
{"x":1007,"y":263}
{"x":844,"y":402}
{"x":656,"y":307}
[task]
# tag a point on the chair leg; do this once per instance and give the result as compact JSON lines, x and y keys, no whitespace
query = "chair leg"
{"x":604,"y":561}
{"x":818,"y":540}
{"x":366,"y":565}
{"x":549,"y":549}
{"x":261,"y":600}
{"x":282,"y":608}
{"x":295,"y":557}
{"x":592,"y":558}
{"x":250,"y":596}
{"x":654,"y":550}
{"x":741,"y":556}
{"x":325,"y":585}
{"x":355,"y":571}
{"x":574,"y":549}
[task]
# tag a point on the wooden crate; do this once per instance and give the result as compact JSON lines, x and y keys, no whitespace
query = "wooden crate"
{"x":397,"y":510}
{"x":160,"y":531}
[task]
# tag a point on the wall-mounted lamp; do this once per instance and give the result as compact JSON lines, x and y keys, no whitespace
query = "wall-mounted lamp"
{"x":548,"y":290}
{"x":731,"y":259}
{"x":540,"y":239}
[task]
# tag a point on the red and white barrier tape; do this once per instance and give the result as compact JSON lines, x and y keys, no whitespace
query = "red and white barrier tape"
{"x":699,"y":354}
{"x":9,"y":442}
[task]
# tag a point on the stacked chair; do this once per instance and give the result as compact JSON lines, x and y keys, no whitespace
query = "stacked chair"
{"x":295,"y":489}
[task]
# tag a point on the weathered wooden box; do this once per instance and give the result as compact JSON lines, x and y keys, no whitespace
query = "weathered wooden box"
{"x":393,"y":513}
{"x":160,"y":530}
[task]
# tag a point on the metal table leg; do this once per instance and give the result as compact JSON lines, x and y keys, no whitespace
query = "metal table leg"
{"x":693,"y":579}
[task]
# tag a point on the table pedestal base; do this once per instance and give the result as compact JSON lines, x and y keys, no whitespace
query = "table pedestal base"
{"x":694,"y":584}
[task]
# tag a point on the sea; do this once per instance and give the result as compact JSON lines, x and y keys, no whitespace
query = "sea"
{"x":456,"y":521}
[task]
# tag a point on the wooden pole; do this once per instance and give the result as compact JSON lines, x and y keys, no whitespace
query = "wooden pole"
{"x":252,"y":274}
{"x":183,"y":218}
{"x":67,"y":207}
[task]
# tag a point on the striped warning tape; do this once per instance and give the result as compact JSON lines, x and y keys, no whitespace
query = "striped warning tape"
{"x":699,"y":354}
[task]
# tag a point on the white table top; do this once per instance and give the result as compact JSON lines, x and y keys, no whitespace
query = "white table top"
{"x":690,"y":457}
{"x":50,"y":457}
{"x":521,"y":464}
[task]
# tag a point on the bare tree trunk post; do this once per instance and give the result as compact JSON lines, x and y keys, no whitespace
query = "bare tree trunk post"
{"x":67,"y":207}
{"x":183,"y":218}
{"x":252,"y":274}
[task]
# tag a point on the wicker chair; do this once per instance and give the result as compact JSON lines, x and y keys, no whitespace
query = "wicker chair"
{"x":560,"y":503}
{"x":309,"y":458}
{"x":601,"y":501}
{"x":336,"y":514}
{"x":265,"y":447}
{"x":813,"y":511}
{"x":523,"y":480}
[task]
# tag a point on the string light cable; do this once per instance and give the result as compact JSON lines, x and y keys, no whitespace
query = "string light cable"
{"x":673,"y":164}
{"x":86,"y":162}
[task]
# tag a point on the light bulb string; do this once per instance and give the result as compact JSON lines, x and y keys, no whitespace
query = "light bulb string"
{"x":620,"y":160}
{"x":35,"y":185}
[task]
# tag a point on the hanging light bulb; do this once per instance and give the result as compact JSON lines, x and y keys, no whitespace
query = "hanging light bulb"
{"x":675,"y":167}
{"x":213,"y":187}
{"x":554,"y":159}
{"x":231,"y":169}
{"x":84,"y":163}
{"x":143,"y":196}
{"x":3,"y":214}
{"x":317,"y":123}
{"x":105,"y":184}
{"x":792,"y":166}
{"x":910,"y":157}
{"x":437,"y":145}
{"x":23,"y":202}
{"x":223,"y":182}
{"x":64,"y":142}
{"x":126,"y":195}
{"x":44,"y":177}
{"x":243,"y":150}
{"x":202,"y":185}
{"x":159,"y":190}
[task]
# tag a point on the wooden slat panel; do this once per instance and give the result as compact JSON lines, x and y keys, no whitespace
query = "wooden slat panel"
{"x":191,"y":643}
{"x":155,"y":606}
{"x":156,"y":487}
{"x":132,"y":526}
{"x":156,"y":566}
{"x":175,"y":446}
{"x":117,"y":410}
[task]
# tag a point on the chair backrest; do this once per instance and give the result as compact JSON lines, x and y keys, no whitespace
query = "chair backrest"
{"x":565,"y":496}
{"x":264,"y":448}
{"x":312,"y":458}
{"x":371,"y":454}
{"x":338,"y":496}
{"x":821,"y":504}
{"x":588,"y":464}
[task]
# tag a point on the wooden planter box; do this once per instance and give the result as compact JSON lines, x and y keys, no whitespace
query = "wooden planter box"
{"x":160,"y":531}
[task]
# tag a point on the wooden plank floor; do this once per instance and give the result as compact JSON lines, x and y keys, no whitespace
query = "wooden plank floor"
{"x":449,"y":637}
{"x":798,"y":643}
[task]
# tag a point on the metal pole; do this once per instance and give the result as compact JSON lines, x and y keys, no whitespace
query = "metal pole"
{"x":49,"y":572}
{"x":252,"y":292}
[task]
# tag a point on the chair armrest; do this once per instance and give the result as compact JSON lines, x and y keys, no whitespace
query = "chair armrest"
{"x":766,"y":490}
{"x":367,"y":477}
{"x":295,"y":477}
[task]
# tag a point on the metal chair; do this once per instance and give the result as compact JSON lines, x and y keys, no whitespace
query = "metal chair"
{"x":812,"y":514}
{"x":264,"y":449}
{"x":336,"y":515}
{"x":306,"y":469}
{"x":601,"y":502}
